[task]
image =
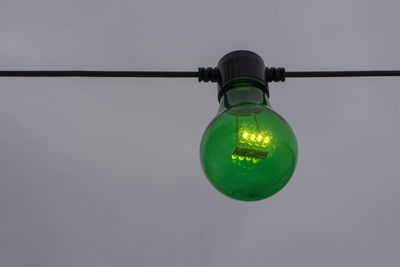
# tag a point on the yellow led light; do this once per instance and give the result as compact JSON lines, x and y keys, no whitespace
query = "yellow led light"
{"x":266,"y":140}
{"x":234,"y":156}
{"x":259,"y":138}
{"x":253,"y":136}
{"x":241,"y":158}
{"x":245,"y":135}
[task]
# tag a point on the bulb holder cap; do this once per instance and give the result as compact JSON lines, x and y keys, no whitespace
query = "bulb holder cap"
{"x":241,"y":66}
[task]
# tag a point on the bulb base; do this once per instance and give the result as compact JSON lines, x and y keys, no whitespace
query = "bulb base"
{"x":241,"y":66}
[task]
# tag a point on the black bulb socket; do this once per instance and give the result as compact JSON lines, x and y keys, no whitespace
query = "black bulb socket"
{"x":241,"y":67}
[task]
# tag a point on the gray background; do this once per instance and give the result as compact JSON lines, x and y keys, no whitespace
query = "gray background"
{"x":106,"y":172}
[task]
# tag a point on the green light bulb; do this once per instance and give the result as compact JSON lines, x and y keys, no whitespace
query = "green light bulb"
{"x":248,"y":151}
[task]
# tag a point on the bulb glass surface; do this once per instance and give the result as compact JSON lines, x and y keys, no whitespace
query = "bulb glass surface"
{"x":248,"y":152}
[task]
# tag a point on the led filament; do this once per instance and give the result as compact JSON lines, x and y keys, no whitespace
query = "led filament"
{"x":251,"y":143}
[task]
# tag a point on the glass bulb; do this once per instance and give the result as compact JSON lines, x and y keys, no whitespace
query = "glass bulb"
{"x":248,"y":151}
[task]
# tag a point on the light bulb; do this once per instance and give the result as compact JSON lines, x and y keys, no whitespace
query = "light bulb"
{"x":248,"y":151}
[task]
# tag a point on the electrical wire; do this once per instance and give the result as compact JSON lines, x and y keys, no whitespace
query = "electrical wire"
{"x":90,"y":73}
{"x":362,"y":73}
{"x":211,"y":76}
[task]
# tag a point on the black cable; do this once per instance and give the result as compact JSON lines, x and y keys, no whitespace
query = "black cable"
{"x":88,"y":73}
{"x":280,"y":74}
{"x":361,"y":73}
{"x":203,"y":74}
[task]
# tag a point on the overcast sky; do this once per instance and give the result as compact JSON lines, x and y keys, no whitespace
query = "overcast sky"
{"x":106,"y":172}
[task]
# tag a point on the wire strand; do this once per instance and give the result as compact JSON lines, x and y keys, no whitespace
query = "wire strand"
{"x":88,"y":73}
{"x":324,"y":74}
{"x":194,"y":74}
